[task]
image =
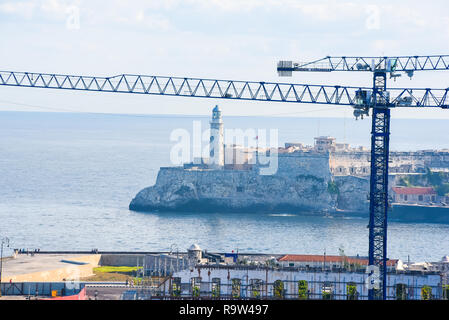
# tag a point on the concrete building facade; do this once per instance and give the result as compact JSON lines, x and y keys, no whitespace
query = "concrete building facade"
{"x":295,"y":283}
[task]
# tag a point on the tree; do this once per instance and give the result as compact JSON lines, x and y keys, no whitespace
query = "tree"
{"x":278,"y":289}
{"x":426,"y":293}
{"x":236,"y":285}
{"x":351,"y":291}
{"x":303,"y":290}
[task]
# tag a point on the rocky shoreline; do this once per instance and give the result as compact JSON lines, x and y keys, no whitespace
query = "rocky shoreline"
{"x":182,"y":190}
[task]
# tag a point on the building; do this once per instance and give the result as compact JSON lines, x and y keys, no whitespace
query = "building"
{"x":329,"y":262}
{"x":216,"y":159}
{"x":414,"y":195}
{"x":245,"y":282}
{"x":163,"y":264}
{"x":239,"y":157}
{"x":325,"y":144}
{"x":194,"y":254}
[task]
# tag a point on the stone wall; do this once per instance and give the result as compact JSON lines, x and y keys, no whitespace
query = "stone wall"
{"x":358,"y":163}
{"x":301,"y":183}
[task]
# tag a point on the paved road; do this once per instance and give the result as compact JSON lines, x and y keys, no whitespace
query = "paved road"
{"x":105,"y":293}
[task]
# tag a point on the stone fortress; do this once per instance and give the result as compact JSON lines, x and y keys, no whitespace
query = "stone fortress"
{"x":325,"y":177}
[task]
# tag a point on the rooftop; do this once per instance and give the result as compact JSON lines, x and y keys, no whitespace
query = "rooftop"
{"x":414,"y":190}
{"x":322,"y":258}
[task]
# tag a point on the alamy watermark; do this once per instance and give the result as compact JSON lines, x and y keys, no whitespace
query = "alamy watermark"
{"x":372,"y":21}
{"x":73,"y":18}
{"x":373,"y":279}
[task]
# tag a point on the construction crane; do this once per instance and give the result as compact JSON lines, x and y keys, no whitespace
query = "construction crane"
{"x":379,"y":100}
{"x":362,"y":99}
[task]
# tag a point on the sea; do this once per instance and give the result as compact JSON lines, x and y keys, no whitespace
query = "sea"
{"x":66,"y":180}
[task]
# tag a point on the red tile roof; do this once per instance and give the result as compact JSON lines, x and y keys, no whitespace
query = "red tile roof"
{"x":320,"y":258}
{"x":414,"y":190}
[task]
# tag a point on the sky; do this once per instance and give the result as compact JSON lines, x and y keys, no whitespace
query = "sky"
{"x":220,"y":39}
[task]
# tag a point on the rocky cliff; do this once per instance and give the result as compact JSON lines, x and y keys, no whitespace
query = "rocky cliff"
{"x":179,"y":189}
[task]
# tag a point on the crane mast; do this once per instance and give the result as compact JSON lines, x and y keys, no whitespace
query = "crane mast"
{"x":379,"y":101}
{"x":380,"y":139}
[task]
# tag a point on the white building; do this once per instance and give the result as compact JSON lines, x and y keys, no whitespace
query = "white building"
{"x":247,"y":282}
{"x":328,"y":261}
{"x":216,"y":159}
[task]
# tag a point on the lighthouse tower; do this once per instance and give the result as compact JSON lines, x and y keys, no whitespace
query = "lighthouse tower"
{"x":216,"y":159}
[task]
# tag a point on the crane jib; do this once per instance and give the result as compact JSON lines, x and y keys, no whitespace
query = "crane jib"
{"x":228,"y":89}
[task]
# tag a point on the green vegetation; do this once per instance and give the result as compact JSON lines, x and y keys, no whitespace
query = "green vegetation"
{"x":443,"y":189}
{"x":351,"y":290}
{"x":109,"y":269}
{"x":426,"y":293}
{"x":278,"y":288}
{"x":332,"y":187}
{"x":303,"y":290}
{"x":110,"y":273}
{"x":216,"y":291}
{"x":176,"y":287}
{"x":195,"y":292}
{"x":412,"y":181}
{"x":437,"y":180}
{"x":235,"y":288}
{"x":256,"y":294}
{"x":327,"y":291}
{"x":309,"y":177}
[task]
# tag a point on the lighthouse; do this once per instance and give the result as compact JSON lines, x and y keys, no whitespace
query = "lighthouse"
{"x":216,"y":159}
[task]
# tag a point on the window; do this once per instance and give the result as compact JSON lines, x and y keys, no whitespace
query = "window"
{"x":256,"y":288}
{"x":239,"y":189}
{"x":195,"y":286}
{"x":351,"y":291}
{"x":401,"y":291}
{"x":235,"y":288}
{"x":327,"y":291}
{"x":303,"y":290}
{"x":278,"y":289}
{"x":405,"y":197}
{"x":291,"y":264}
{"x":420,"y":198}
{"x":176,"y":287}
{"x":216,"y":287}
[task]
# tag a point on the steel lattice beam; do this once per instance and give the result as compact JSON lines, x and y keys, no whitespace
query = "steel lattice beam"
{"x":380,"y":137}
{"x":223,"y":89}
{"x":394,"y":63}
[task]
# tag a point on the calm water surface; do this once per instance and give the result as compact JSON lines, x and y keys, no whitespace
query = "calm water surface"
{"x":66,"y":181}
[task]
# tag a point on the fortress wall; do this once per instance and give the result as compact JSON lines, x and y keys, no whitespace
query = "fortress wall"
{"x":343,"y":163}
{"x":118,"y":260}
{"x":299,"y":163}
{"x":358,"y":163}
{"x":301,"y":182}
